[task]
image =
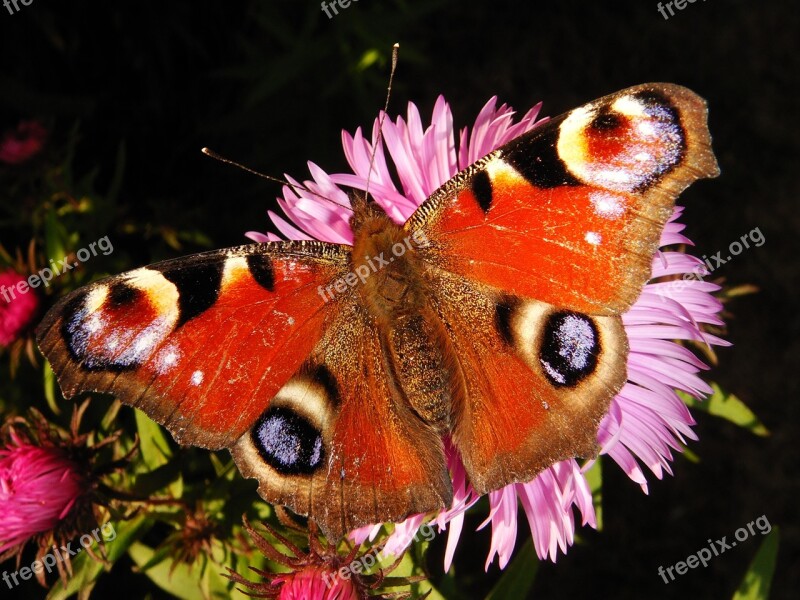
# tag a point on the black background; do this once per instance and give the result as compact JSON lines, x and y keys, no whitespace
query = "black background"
{"x":272,"y":84}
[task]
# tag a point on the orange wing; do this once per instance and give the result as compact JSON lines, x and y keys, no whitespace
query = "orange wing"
{"x":571,"y":212}
{"x":532,"y":254}
{"x":201,"y":343}
{"x":371,"y":458}
{"x":537,"y":379}
{"x":240,"y":349}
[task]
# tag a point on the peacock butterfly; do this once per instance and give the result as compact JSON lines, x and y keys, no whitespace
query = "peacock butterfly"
{"x":333,"y":377}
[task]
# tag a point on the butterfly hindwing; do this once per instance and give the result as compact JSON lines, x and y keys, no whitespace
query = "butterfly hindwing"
{"x":537,"y":379}
{"x":571,"y":212}
{"x":358,"y":454}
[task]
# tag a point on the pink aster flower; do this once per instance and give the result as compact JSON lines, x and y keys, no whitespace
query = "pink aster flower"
{"x":647,"y":420}
{"x":23,"y":143}
{"x":38,"y":488}
{"x":16,"y":310}
{"x":51,"y":489}
{"x":311,"y":583}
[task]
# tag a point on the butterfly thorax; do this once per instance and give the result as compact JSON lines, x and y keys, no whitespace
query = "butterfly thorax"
{"x":385,"y":261}
{"x":388,"y":274}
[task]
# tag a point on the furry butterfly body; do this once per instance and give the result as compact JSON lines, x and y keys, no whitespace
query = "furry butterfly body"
{"x":491,"y":319}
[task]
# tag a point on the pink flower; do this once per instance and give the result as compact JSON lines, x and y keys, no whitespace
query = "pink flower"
{"x":647,"y":419}
{"x":321,"y":573}
{"x":311,"y":583}
{"x":16,"y":309}
{"x":38,"y":488}
{"x":20,"y":145}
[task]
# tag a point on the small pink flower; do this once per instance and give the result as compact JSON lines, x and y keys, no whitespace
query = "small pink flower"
{"x":321,"y":573}
{"x":316,"y":583}
{"x":39,"y":485}
{"x":20,"y":145}
{"x":647,"y":420}
{"x":16,"y":309}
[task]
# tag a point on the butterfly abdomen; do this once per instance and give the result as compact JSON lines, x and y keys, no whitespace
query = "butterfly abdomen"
{"x":419,"y":352}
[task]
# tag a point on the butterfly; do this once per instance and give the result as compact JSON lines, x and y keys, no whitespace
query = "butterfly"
{"x":489,"y":320}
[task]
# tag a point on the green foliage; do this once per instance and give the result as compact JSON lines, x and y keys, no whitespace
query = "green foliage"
{"x":758,"y":579}
{"x":182,"y":581}
{"x":518,"y":577}
{"x":86,"y":571}
{"x":727,"y":406}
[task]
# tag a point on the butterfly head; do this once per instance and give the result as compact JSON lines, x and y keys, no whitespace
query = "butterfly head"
{"x":368,"y":215}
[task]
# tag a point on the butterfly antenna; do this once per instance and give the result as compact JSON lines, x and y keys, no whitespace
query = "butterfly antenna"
{"x":395,"y":52}
{"x":294,"y":187}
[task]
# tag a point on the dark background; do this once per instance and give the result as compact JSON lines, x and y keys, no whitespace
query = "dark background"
{"x":271,"y":84}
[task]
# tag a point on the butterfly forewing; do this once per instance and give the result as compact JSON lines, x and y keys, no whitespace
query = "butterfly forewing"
{"x":571,"y":213}
{"x":201,"y":343}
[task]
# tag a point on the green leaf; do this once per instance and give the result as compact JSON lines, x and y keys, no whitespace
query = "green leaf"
{"x":369,"y":58}
{"x":50,"y":388}
{"x":729,"y":407}
{"x":689,"y":455}
{"x":110,"y":418}
{"x":220,"y":467}
{"x":517,"y":580}
{"x":166,"y":476}
{"x":188,"y":582}
{"x":154,"y":445}
{"x":594,"y":476}
{"x":156,"y":452}
{"x":54,"y":237}
{"x":86,"y":571}
{"x":426,"y":587}
{"x":758,"y":579}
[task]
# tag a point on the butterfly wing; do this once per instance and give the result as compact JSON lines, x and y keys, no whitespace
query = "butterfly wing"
{"x":244,"y":349}
{"x":199,"y":343}
{"x":571,"y":212}
{"x":537,"y":379}
{"x":532,"y":254}
{"x":371,"y":459}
